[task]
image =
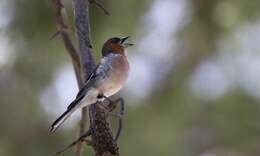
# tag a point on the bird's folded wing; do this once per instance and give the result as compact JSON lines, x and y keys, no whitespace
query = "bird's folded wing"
{"x":97,"y":76}
{"x":90,"y":81}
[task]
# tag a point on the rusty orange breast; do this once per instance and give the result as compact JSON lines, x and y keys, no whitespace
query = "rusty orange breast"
{"x":116,"y":77}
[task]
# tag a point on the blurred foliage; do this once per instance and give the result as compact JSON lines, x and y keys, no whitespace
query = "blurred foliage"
{"x":168,"y":122}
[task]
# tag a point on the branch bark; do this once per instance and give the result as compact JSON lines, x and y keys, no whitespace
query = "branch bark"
{"x":81,"y":10}
{"x":64,"y":32}
{"x":102,"y":137}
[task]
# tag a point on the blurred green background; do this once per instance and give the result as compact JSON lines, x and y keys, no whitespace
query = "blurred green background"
{"x":194,"y":86}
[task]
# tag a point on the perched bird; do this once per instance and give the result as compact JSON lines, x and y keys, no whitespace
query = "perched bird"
{"x":106,"y":80}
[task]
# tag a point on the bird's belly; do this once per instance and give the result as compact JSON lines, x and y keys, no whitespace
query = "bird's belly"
{"x":107,"y":89}
{"x":110,"y":88}
{"x":112,"y":85}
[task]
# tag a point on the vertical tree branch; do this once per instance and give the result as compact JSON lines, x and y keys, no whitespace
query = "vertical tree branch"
{"x":82,"y":23}
{"x":102,"y":137}
{"x":81,"y":10}
{"x":63,"y":30}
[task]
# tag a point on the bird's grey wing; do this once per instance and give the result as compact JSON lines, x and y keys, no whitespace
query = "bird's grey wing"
{"x":95,"y":78}
{"x":105,"y":66}
{"x":90,"y":81}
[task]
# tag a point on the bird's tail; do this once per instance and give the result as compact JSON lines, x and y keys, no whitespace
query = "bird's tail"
{"x":56,"y":124}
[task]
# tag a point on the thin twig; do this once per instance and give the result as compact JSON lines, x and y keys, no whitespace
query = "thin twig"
{"x":63,"y":30}
{"x":80,"y":139}
{"x":98,"y":4}
{"x":55,"y":35}
{"x":120,"y":121}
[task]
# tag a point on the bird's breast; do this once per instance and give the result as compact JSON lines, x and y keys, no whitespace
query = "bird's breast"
{"x":116,"y":76}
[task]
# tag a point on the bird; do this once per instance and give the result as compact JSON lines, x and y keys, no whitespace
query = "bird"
{"x":107,"y":78}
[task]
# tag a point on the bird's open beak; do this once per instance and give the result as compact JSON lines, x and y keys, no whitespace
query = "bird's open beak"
{"x":125,"y":44}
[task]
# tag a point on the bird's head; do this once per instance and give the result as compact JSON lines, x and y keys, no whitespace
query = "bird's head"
{"x":115,"y":45}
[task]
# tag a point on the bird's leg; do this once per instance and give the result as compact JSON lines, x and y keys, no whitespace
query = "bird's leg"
{"x":101,"y":98}
{"x":109,"y":107}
